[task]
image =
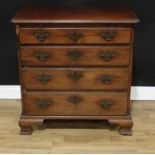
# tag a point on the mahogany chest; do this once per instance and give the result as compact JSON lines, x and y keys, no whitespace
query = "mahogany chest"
{"x":75,"y":63}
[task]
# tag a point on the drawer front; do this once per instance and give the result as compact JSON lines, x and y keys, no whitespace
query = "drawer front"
{"x":75,"y":103}
{"x":69,"y":56}
{"x":74,"y":35}
{"x":75,"y":79}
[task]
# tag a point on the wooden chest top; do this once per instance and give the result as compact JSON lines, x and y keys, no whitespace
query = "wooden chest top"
{"x":82,"y":14}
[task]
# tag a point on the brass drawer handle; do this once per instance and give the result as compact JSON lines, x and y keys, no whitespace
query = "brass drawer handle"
{"x":108,"y":36}
{"x":75,"y":36}
{"x":41,"y":34}
{"x":105,"y":103}
{"x":106,"y":79}
{"x":43,"y":79}
{"x":107,"y":56}
{"x":75,"y":76}
{"x":74,"y":99}
{"x":41,"y":55}
{"x":45,"y":103}
{"x":75,"y":54}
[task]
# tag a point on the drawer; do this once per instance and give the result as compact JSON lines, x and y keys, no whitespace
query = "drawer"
{"x":71,"y":56}
{"x":75,"y":78}
{"x":75,"y":103}
{"x":74,"y":35}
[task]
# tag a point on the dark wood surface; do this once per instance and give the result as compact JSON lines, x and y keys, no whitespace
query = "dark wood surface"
{"x":88,"y":35}
{"x":64,"y":56}
{"x":61,"y":76}
{"x":90,"y":80}
{"x":64,"y":14}
{"x":89,"y":104}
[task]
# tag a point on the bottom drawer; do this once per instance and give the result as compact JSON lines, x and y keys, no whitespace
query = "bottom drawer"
{"x":75,"y":103}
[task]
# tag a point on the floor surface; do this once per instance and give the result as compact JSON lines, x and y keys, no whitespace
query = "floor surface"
{"x":78,"y":137}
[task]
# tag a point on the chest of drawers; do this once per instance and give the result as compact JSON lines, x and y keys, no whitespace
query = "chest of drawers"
{"x":75,"y":63}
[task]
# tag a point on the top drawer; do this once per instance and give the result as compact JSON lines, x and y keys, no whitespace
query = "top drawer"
{"x":77,"y":36}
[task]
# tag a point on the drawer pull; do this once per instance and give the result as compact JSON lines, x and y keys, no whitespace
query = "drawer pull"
{"x":75,"y":76}
{"x":108,"y":36}
{"x":41,"y":35}
{"x":74,"y":99}
{"x":74,"y":36}
{"x":75,"y":54}
{"x":106,"y":79}
{"x":45,"y":103}
{"x":42,"y":56}
{"x":105,"y":103}
{"x":107,"y":56}
{"x":43,"y":79}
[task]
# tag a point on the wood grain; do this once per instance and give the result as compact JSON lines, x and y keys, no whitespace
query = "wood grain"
{"x":89,"y":104}
{"x":90,"y":79}
{"x":89,"y":56}
{"x":78,"y":14}
{"x":88,"y":35}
